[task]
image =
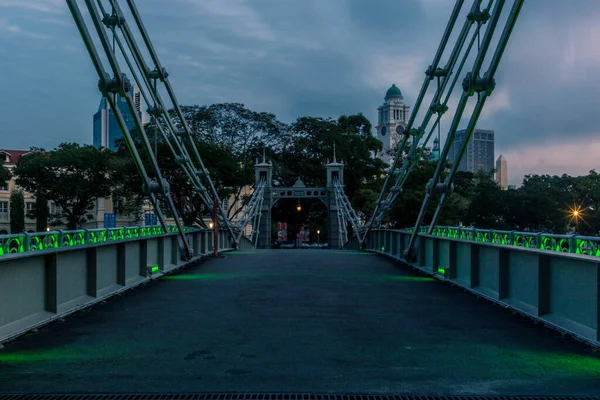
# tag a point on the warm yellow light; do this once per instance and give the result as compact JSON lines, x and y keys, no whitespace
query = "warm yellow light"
{"x":299,"y":208}
{"x":47,"y":229}
{"x":318,"y":231}
{"x":211,"y":225}
{"x":576,"y":213}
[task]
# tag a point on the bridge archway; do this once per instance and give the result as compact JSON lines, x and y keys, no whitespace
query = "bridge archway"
{"x":272,"y":195}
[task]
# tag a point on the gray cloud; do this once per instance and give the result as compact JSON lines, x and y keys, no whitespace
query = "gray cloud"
{"x":314,"y":57}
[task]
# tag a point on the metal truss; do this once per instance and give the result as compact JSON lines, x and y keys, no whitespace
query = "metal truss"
{"x":342,"y":222}
{"x":472,"y":83}
{"x":251,"y":214}
{"x":348,"y":212}
{"x":415,"y":140}
{"x":176,"y":134}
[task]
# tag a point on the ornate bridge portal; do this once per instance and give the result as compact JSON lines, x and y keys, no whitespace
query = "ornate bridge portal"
{"x":271,"y":195}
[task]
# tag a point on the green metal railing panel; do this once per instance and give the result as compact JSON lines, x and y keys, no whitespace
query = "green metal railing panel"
{"x":586,"y":245}
{"x":38,"y":241}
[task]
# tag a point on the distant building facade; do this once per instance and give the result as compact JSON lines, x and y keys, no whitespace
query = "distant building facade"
{"x":502,"y":172}
{"x":479,"y":154}
{"x":9,"y":159}
{"x":106,"y":128}
{"x":392,"y":117}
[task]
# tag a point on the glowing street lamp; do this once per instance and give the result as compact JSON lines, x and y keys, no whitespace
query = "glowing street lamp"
{"x":318,"y":236}
{"x":575,"y":213}
{"x":298,"y":207}
{"x":211,"y":225}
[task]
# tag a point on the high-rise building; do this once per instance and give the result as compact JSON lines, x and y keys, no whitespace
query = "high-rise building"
{"x":106,"y":128}
{"x":501,"y":172}
{"x":391,"y":122}
{"x":479,"y":154}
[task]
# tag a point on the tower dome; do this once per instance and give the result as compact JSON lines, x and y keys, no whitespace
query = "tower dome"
{"x":394,"y":91}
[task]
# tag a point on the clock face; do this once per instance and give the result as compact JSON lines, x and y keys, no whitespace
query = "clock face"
{"x":383,"y":131}
{"x":400,"y":130}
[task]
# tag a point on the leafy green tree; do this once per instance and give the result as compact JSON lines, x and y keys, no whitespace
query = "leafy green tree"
{"x":17,"y":211}
{"x":541,"y":204}
{"x":5,"y":174}
{"x":72,"y":176}
{"x":585,"y":191}
{"x":224,"y":167}
{"x":40,"y":212}
{"x":405,"y":210}
{"x":486,"y":207}
{"x":311,"y":144}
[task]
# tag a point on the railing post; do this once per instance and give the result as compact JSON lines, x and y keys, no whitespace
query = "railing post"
{"x":573,"y":244}
{"x":452,"y":260}
{"x":203,"y":242}
{"x":175,"y":256}
{"x":92,"y":271}
{"x":26,"y":241}
{"x":503,"y":271}
{"x":122,"y":263}
{"x":543,"y":300}
{"x":196,"y":236}
{"x":50,"y":283}
{"x":401,"y":245}
{"x":435,"y":257}
{"x":60,"y":237}
{"x":161,"y":253}
{"x":474,"y":265}
{"x":143,"y":267}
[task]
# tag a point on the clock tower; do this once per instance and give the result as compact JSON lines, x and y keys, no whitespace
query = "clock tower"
{"x":391,"y":121}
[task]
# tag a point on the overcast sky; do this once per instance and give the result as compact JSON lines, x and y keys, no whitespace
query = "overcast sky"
{"x":315,"y":57}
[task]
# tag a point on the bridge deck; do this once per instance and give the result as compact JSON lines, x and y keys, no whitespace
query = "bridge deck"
{"x":309,"y":321}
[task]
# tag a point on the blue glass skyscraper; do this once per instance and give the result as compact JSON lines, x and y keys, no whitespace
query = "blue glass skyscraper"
{"x":106,"y":128}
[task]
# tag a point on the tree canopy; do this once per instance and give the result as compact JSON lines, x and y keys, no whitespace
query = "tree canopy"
{"x":230,"y":138}
{"x":72,"y":176}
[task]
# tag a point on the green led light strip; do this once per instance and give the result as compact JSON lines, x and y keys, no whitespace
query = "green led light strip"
{"x":27,"y":242}
{"x":575,"y":244}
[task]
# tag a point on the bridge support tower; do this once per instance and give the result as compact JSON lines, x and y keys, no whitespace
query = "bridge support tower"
{"x":264,"y":170}
{"x":335,"y":172}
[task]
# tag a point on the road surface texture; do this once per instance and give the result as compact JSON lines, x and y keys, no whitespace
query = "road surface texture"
{"x":298,"y":321}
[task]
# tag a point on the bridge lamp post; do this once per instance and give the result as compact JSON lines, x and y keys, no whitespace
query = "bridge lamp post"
{"x":575,"y":213}
{"x":318,"y":236}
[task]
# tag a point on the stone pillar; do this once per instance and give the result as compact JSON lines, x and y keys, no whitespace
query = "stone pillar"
{"x":335,"y":172}
{"x":332,"y":221}
{"x":264,"y":170}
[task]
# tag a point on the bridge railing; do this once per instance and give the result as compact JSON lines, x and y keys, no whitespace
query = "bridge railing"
{"x":37,"y":241}
{"x":554,"y":280}
{"x":62,"y":272}
{"x":588,"y":245}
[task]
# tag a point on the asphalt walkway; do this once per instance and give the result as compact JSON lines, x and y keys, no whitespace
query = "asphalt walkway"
{"x":298,"y":321}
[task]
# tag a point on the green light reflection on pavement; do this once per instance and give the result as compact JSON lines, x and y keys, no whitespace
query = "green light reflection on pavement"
{"x":203,"y":277}
{"x":563,"y":363}
{"x":404,"y":278}
{"x":59,"y":354}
